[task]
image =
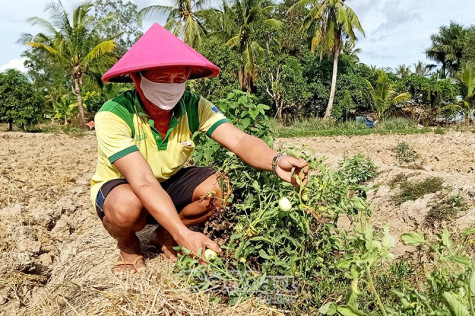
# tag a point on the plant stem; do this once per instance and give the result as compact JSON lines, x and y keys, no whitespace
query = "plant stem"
{"x":470,"y":303}
{"x":373,"y":289}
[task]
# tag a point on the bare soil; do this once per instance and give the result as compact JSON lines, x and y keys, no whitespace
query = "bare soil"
{"x":56,"y":258}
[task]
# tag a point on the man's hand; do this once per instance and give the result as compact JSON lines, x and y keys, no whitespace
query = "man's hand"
{"x":195,"y":241}
{"x":284,"y":169}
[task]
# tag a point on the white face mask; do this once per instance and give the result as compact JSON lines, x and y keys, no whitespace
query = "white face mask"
{"x":163,"y":95}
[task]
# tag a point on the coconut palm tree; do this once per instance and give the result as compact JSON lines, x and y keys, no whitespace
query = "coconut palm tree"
{"x":331,"y":21}
{"x":183,"y":19}
{"x":422,"y":69}
{"x":74,"y":44}
{"x":384,"y":95}
{"x":402,"y":71}
{"x":236,"y":24}
{"x":447,"y":48}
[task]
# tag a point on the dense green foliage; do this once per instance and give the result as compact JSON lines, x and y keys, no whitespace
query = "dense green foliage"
{"x":283,"y":53}
{"x":20,"y":103}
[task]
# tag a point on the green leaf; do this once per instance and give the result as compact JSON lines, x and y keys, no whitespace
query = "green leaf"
{"x":368,"y":236}
{"x":446,"y":238}
{"x":328,"y":309}
{"x":413,"y":239}
{"x":469,"y":231}
{"x":463,"y":260}
{"x":214,"y":300}
{"x":344,"y":264}
{"x":243,"y":100}
{"x":456,"y":308}
{"x":346,"y":310}
{"x":235,"y":236}
{"x":254,"y":113}
{"x":263,"y":254}
{"x":245,"y":122}
{"x":472,"y":281}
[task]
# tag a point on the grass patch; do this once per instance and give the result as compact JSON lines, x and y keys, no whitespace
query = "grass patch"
{"x":440,"y":131}
{"x":404,"y":153}
{"x":413,"y":191}
{"x":400,"y":177}
{"x":319,"y":127}
{"x":445,"y":209}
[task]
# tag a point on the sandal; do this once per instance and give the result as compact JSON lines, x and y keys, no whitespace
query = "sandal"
{"x":125,"y":263}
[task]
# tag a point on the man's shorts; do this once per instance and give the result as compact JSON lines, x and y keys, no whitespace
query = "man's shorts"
{"x":180,"y":187}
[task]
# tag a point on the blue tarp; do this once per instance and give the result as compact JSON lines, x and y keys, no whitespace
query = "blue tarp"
{"x":367,"y":121}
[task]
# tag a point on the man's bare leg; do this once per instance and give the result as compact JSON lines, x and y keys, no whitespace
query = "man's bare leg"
{"x":124,"y":216}
{"x":195,"y":213}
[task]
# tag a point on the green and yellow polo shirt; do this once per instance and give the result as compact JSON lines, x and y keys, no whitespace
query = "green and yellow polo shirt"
{"x":122,"y":127}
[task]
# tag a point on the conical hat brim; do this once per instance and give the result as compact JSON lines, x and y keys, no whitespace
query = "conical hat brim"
{"x":159,"y":48}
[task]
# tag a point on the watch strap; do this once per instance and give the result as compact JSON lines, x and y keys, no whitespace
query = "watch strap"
{"x":275,"y":160}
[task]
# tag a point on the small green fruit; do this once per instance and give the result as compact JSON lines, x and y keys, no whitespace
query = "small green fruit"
{"x":210,"y":255}
{"x":242,"y":260}
{"x":285,"y":204}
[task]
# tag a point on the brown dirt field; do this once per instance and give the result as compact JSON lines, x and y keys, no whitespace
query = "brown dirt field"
{"x":56,"y":258}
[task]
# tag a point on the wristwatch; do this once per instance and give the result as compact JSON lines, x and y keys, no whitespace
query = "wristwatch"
{"x":275,"y":160}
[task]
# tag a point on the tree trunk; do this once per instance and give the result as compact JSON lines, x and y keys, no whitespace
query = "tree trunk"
{"x":328,"y":112}
{"x":279,"y":110}
{"x":77,"y":92}
{"x":10,"y":125}
{"x":249,"y":83}
{"x":241,"y":77}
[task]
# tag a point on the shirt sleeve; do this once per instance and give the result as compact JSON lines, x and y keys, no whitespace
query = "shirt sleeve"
{"x":114,"y":136}
{"x":210,"y":117}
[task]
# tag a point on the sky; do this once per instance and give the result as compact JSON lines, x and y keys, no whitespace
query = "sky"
{"x":396,"y":32}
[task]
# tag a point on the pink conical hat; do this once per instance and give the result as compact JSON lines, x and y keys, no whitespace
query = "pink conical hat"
{"x":159,"y":48}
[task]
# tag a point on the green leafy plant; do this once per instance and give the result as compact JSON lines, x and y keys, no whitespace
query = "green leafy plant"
{"x":404,"y":153}
{"x":450,"y":281}
{"x":241,"y":109}
{"x":357,"y":169}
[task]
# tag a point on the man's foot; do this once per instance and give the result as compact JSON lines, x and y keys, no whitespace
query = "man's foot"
{"x":123,"y":267}
{"x":162,"y":239}
{"x":130,"y":260}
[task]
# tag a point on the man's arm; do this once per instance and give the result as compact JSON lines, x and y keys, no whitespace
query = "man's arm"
{"x":158,"y":203}
{"x":256,"y":153}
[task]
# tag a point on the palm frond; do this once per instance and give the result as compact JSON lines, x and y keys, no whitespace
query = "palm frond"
{"x":233,"y":41}
{"x":100,"y":49}
{"x":25,"y":38}
{"x":42,"y":23}
{"x":402,"y":98}
{"x":171,"y":25}
{"x":301,"y":4}
{"x":267,"y":9}
{"x":273,"y":23}
{"x":150,"y":10}
{"x":48,"y":48}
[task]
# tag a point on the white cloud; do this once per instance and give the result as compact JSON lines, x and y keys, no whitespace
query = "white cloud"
{"x":14,"y":64}
{"x":396,"y":16}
